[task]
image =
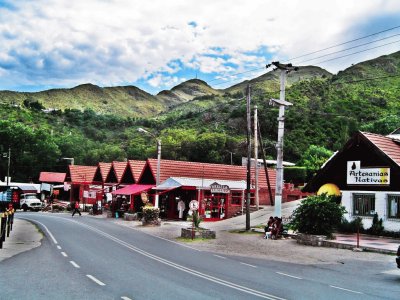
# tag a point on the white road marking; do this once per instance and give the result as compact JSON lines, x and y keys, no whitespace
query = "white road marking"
{"x":181,"y":267}
{"x":74,"y":264}
{"x":159,"y":237}
{"x":248,"y":265}
{"x":169,"y":263}
{"x":64,"y":254}
{"x":291,"y":276}
{"x":44,"y":226}
{"x":125,"y":298}
{"x":219,"y":256}
{"x":58,"y":247}
{"x":343,"y":289}
{"x":95,"y":280}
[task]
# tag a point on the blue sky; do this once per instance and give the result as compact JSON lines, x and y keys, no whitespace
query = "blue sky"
{"x":157,"y":44}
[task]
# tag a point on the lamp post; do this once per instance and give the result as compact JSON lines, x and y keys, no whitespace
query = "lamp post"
{"x":158,"y":160}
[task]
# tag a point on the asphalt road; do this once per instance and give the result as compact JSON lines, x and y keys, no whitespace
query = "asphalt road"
{"x":89,"y":258}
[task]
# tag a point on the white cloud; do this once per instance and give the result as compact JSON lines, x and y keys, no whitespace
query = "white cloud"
{"x":63,"y":42}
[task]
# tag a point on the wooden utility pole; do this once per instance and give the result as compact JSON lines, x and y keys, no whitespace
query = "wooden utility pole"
{"x":248,"y":157}
{"x":256,"y":156}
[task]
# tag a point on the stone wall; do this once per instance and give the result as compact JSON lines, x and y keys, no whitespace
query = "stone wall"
{"x":198,"y":233}
{"x":310,"y":239}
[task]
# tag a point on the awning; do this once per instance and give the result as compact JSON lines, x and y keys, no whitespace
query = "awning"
{"x":133,"y":189}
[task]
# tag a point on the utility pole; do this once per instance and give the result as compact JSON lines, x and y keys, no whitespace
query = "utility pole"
{"x":8,"y":166}
{"x":248,"y":157}
{"x":256,"y":155}
{"x":284,"y":68}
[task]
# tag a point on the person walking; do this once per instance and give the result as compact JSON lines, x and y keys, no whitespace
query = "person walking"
{"x":76,"y":209}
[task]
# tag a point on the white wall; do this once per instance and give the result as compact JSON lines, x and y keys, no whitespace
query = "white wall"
{"x":380,"y":208}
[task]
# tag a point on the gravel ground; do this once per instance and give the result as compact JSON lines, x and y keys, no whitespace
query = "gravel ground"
{"x":253,"y":244}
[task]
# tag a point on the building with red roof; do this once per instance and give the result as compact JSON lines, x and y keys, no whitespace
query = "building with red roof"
{"x":366,"y":171}
{"x":193,"y":181}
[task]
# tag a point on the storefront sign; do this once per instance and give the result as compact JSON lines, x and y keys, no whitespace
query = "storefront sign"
{"x":366,"y":176}
{"x":194,"y":205}
{"x":219,"y":188}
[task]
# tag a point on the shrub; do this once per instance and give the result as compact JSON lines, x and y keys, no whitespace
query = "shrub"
{"x":317,"y":215}
{"x":196,"y":219}
{"x":352,"y":226}
{"x":376,"y":227}
{"x":150,"y":213}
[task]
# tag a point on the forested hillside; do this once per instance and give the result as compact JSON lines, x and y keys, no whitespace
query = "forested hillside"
{"x":203,"y":124}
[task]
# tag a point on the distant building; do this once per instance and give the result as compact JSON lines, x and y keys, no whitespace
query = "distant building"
{"x":270,"y":162}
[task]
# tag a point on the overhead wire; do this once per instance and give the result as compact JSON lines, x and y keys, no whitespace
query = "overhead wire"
{"x":324,"y":49}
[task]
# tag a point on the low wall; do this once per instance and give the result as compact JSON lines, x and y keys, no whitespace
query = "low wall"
{"x":310,"y":239}
{"x":198,"y":233}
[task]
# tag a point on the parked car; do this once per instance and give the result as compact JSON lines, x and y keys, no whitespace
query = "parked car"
{"x":30,"y":201}
{"x":398,"y":257}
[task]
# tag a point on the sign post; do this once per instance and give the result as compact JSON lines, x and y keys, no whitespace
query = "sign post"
{"x":193,"y":206}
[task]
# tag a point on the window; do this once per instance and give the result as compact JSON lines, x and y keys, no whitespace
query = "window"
{"x":363,"y":204}
{"x":236,"y":198}
{"x":394,"y":206}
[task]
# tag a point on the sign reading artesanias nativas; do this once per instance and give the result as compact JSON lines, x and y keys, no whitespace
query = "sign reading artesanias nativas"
{"x":366,"y":176}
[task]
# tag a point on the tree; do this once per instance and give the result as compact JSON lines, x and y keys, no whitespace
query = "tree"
{"x":314,"y":157}
{"x":317,"y":215}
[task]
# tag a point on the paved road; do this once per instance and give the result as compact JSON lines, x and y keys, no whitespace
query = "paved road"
{"x":89,"y":258}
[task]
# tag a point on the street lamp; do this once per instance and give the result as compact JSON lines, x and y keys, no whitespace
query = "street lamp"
{"x":158,"y":159}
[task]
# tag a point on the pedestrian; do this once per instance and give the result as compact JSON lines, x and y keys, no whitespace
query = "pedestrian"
{"x":76,"y":208}
{"x":268,"y":227}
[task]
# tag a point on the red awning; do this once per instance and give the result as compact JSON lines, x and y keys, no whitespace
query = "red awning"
{"x":133,"y":189}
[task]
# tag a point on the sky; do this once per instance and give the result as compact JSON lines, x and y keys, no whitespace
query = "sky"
{"x":157,"y":44}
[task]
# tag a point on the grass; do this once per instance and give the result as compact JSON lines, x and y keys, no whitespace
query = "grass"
{"x":189,"y":240}
{"x":243,"y":231}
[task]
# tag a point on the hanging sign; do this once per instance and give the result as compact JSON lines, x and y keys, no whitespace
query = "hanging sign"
{"x":366,"y":176}
{"x":219,"y":188}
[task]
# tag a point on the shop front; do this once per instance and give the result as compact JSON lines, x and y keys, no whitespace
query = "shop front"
{"x":218,"y":199}
{"x":366,"y":172}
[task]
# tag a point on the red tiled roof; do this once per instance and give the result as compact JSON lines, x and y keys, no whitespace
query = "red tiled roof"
{"x":174,"y":168}
{"x":387,"y":145}
{"x":104,"y":169}
{"x":80,"y":174}
{"x":119,"y":168}
{"x":136,"y":168}
{"x":52,"y":177}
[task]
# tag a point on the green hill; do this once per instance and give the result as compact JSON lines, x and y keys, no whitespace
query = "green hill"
{"x":195,"y":121}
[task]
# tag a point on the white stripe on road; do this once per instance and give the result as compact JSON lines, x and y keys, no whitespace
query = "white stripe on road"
{"x":219,"y":256}
{"x":343,"y":289}
{"x":95,"y":280}
{"x":181,"y":267}
{"x":291,"y":276}
{"x":125,"y":298}
{"x":64,"y":254}
{"x":48,"y":231}
{"x":248,"y":265}
{"x":74,"y":264}
{"x":58,"y":247}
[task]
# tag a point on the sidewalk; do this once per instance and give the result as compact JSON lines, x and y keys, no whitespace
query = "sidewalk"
{"x":23,"y":237}
{"x":366,"y":242}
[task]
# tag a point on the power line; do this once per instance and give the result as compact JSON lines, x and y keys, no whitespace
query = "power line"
{"x":358,"y":52}
{"x":348,"y":48}
{"x":337,"y":45}
{"x":330,"y":47}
